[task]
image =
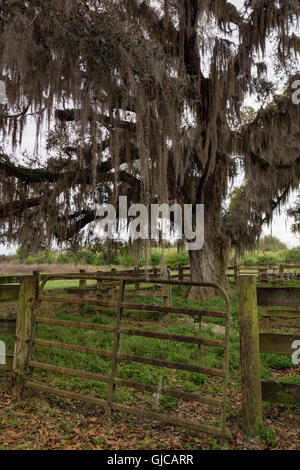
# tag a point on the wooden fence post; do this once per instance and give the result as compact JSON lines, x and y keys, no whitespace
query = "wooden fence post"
{"x":82,"y":285}
{"x":235,"y":273}
{"x":99,"y":293}
{"x":26,"y":302}
{"x":180,"y":273}
{"x":263,"y":275}
{"x":137,"y":284}
{"x":281,"y":270}
{"x":117,"y":345}
{"x":281,"y":274}
{"x":36,"y":278}
{"x":113,"y":288}
{"x":249,"y":355}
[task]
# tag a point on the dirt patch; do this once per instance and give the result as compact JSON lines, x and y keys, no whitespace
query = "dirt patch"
{"x":216,"y":329}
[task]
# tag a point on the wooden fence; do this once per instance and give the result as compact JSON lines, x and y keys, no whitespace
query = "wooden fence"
{"x":278,"y":275}
{"x":276,"y":302}
{"x":32,"y":295}
{"x":10,"y":285}
{"x":266,"y":273}
{"x":286,"y":279}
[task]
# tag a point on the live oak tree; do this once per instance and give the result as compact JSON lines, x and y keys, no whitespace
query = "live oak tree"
{"x":144,"y":99}
{"x":271,"y":243}
{"x":294,"y":213}
{"x":243,"y":220}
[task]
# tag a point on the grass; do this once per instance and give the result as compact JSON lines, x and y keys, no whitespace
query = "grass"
{"x":64,"y":284}
{"x":148,"y":347}
{"x":269,"y":435}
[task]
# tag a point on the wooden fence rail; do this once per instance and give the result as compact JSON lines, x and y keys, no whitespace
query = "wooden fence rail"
{"x":8,"y":364}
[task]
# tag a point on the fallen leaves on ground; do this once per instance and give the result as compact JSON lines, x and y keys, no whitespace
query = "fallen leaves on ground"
{"x":42,"y":422}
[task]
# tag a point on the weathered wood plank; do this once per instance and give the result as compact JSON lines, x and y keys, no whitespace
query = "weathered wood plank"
{"x":282,"y":393}
{"x":8,"y":325}
{"x":9,"y":292}
{"x":274,"y":343}
{"x":11,"y":315}
{"x":7,"y":367}
{"x":281,"y":313}
{"x":281,"y":296}
{"x":291,"y":266}
{"x":11,"y":279}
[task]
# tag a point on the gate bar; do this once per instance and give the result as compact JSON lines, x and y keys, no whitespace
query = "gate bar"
{"x":130,"y":331}
{"x":136,"y":307}
{"x":163,"y":418}
{"x":132,"y":358}
{"x":127,"y":383}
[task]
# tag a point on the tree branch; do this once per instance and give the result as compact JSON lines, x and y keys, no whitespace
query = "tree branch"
{"x":161,"y":29}
{"x":18,"y":207}
{"x":69,"y":115}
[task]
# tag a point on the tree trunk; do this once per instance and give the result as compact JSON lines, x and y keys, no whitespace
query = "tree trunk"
{"x":210,"y":263}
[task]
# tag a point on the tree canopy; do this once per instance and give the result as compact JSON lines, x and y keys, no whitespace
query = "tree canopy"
{"x":271,"y":243}
{"x":144,"y":99}
{"x":294,"y":212}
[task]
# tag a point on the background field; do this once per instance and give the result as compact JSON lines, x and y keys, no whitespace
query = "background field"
{"x":63,"y":262}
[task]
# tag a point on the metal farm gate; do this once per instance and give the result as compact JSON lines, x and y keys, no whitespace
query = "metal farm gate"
{"x":30,"y":302}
